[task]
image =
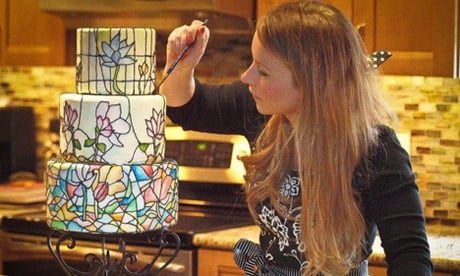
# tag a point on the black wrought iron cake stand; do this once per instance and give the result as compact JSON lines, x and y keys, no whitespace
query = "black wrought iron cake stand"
{"x":105,"y":264}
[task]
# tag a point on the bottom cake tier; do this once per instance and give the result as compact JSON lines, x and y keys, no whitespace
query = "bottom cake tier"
{"x":101,"y":198}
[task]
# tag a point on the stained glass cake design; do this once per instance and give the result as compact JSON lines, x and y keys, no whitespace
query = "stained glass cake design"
{"x":115,"y":61}
{"x":112,"y":175}
{"x":112,"y":129}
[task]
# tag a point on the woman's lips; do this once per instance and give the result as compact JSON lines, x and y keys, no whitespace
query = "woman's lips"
{"x":253,"y":95}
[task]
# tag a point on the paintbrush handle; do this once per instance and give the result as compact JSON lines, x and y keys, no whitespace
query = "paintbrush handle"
{"x":181,"y":55}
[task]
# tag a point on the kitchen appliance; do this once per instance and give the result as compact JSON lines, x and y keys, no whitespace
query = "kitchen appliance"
{"x":210,"y":198}
{"x":17,"y":141}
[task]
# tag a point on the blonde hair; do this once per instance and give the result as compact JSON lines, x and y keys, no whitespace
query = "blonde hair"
{"x":334,"y":132}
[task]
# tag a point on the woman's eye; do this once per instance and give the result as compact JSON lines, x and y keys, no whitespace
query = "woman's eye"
{"x":262,"y":72}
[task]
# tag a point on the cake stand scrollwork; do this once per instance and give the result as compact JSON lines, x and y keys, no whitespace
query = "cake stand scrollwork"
{"x":63,"y":246}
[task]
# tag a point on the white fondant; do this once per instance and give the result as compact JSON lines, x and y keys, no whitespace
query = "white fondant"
{"x":112,"y":129}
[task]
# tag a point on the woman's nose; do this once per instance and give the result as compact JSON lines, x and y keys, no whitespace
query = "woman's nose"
{"x":248,"y":75}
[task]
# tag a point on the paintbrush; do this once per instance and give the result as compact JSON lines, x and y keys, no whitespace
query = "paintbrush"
{"x":173,"y":65}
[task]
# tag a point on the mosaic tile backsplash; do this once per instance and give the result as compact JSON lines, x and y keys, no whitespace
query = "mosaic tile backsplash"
{"x":428,"y":109}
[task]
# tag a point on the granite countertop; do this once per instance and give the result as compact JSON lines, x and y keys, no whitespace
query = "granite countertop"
{"x":444,"y":243}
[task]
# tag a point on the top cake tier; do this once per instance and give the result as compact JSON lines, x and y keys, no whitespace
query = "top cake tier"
{"x":115,"y":61}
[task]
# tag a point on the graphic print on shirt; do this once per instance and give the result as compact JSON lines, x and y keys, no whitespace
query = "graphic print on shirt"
{"x":280,"y":236}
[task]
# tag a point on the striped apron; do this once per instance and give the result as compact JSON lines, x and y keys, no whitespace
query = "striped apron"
{"x":249,"y":256}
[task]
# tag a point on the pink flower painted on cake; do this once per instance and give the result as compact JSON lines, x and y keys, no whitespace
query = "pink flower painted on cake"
{"x":84,"y":177}
{"x":81,"y":180}
{"x":161,"y":188}
{"x":104,"y":126}
{"x":101,"y":181}
{"x":112,"y":123}
{"x":70,"y":116}
{"x":116,"y":55}
{"x":155,"y":125}
{"x":109,"y":125}
{"x":69,"y":128}
{"x":155,"y":130}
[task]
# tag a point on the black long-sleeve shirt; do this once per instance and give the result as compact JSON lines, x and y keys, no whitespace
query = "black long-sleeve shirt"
{"x":389,"y":194}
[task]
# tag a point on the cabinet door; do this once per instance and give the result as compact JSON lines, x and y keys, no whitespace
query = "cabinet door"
{"x":419,"y":33}
{"x":1,"y":252}
{"x":218,"y":263}
{"x":29,"y":36}
{"x":264,"y":6}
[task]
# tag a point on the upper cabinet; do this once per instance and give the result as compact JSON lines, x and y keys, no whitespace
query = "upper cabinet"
{"x":421,"y":34}
{"x":29,"y":36}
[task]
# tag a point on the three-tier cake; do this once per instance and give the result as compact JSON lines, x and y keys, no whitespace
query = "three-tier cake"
{"x":112,"y":175}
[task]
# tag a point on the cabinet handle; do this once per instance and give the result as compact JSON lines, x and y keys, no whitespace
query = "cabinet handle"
{"x":361,"y":29}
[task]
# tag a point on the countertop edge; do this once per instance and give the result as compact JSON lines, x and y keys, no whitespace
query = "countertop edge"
{"x":225,"y":240}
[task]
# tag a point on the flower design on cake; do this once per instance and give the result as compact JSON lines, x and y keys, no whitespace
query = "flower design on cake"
{"x":109,"y":125}
{"x":116,"y":55}
{"x":68,"y":122}
{"x":155,"y":130}
{"x":146,"y":81}
{"x":161,"y":188}
{"x":70,"y":116}
{"x":159,"y":192}
{"x":111,"y":199}
{"x":111,"y":176}
{"x":83,"y":177}
{"x":111,"y":129}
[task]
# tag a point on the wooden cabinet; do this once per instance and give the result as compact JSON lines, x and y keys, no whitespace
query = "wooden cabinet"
{"x":29,"y":36}
{"x":419,"y":33}
{"x":218,"y":263}
{"x":1,"y":252}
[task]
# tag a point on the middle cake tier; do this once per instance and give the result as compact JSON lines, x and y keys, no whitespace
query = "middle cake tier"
{"x":112,"y":129}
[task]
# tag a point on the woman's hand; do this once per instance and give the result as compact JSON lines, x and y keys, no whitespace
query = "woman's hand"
{"x":180,"y":84}
{"x":196,"y":33}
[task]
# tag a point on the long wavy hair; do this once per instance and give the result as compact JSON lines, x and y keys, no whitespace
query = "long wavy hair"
{"x":335,"y":130}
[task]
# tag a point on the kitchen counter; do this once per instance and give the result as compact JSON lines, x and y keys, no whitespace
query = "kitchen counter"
{"x":444,"y":243}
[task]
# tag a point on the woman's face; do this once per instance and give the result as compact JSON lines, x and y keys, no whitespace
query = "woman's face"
{"x":271,"y":83}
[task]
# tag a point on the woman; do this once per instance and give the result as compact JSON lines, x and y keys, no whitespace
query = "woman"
{"x":326,"y":172}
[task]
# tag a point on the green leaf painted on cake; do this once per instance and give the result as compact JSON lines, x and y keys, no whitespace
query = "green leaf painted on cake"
{"x":101,"y":147}
{"x":89,"y":142}
{"x":141,"y":219}
{"x":129,"y":189}
{"x":110,"y":209}
{"x":143,"y":146}
{"x":100,"y":211}
{"x":58,"y":225}
{"x":76,"y":144}
{"x":132,"y":206}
